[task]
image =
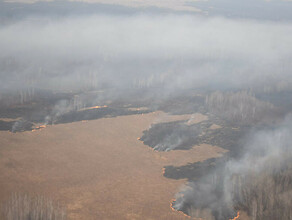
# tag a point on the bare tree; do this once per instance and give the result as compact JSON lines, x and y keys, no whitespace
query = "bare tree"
{"x":266,"y":195}
{"x":239,"y":108}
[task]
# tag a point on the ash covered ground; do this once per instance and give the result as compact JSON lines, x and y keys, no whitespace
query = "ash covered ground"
{"x":65,"y":62}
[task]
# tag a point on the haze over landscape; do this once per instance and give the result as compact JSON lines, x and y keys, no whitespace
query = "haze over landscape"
{"x":126,"y":109}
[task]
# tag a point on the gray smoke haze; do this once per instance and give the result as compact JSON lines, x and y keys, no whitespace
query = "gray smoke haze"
{"x":140,"y":51}
{"x":92,"y":56}
{"x":258,"y":182}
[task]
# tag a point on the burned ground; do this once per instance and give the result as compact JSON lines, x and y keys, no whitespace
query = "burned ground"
{"x":171,"y":136}
{"x":193,"y":171}
{"x":208,"y":175}
{"x":6,"y":125}
{"x":92,"y":114}
{"x":59,"y":108}
{"x":97,"y":169}
{"x":66,"y":107}
{"x":179,"y":135}
{"x":212,"y":182}
{"x":165,"y":136}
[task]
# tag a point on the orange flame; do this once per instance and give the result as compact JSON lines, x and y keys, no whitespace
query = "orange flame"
{"x":173,"y":209}
{"x":237,"y":217}
{"x":103,"y":106}
{"x":39,"y":128}
{"x":96,"y":107}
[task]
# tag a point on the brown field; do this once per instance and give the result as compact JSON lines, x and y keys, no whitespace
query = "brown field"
{"x":9,"y":119}
{"x":214,"y":126}
{"x":97,"y":169}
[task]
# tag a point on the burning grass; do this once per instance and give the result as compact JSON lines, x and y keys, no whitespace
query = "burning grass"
{"x":97,"y":168}
{"x":258,"y":182}
{"x":182,"y":135}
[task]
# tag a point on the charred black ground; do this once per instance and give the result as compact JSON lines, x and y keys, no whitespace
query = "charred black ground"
{"x":59,"y":108}
{"x":179,"y":135}
{"x":48,"y":107}
{"x":207,"y":179}
{"x":206,"y":176}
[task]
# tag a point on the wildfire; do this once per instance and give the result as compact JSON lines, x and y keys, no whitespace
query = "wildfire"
{"x":94,"y":107}
{"x":39,"y":128}
{"x":237,"y":217}
{"x":173,"y":209}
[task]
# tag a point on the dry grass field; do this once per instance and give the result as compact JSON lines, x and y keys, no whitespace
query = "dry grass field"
{"x":97,"y":169}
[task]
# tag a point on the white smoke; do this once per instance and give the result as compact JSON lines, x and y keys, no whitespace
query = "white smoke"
{"x":177,"y":51}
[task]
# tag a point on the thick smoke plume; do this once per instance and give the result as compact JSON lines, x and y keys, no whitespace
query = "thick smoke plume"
{"x":142,"y":51}
{"x":259,"y":183}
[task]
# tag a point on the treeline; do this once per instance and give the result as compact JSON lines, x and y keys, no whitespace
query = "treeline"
{"x":26,"y":207}
{"x":266,"y":195}
{"x":238,"y":107}
{"x":19,"y":97}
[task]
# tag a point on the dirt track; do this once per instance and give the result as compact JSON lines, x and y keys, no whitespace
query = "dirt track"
{"x":98,"y":169}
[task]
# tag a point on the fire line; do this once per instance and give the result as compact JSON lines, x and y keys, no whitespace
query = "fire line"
{"x":237,"y":217}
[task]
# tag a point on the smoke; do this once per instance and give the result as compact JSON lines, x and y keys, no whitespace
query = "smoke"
{"x":172,"y":52}
{"x":171,"y":136}
{"x":142,"y":51}
{"x":262,"y":147}
{"x":257,"y":182}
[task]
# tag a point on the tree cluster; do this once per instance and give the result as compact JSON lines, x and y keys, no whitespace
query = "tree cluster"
{"x":266,"y":195}
{"x":26,"y":207}
{"x":238,"y":107}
